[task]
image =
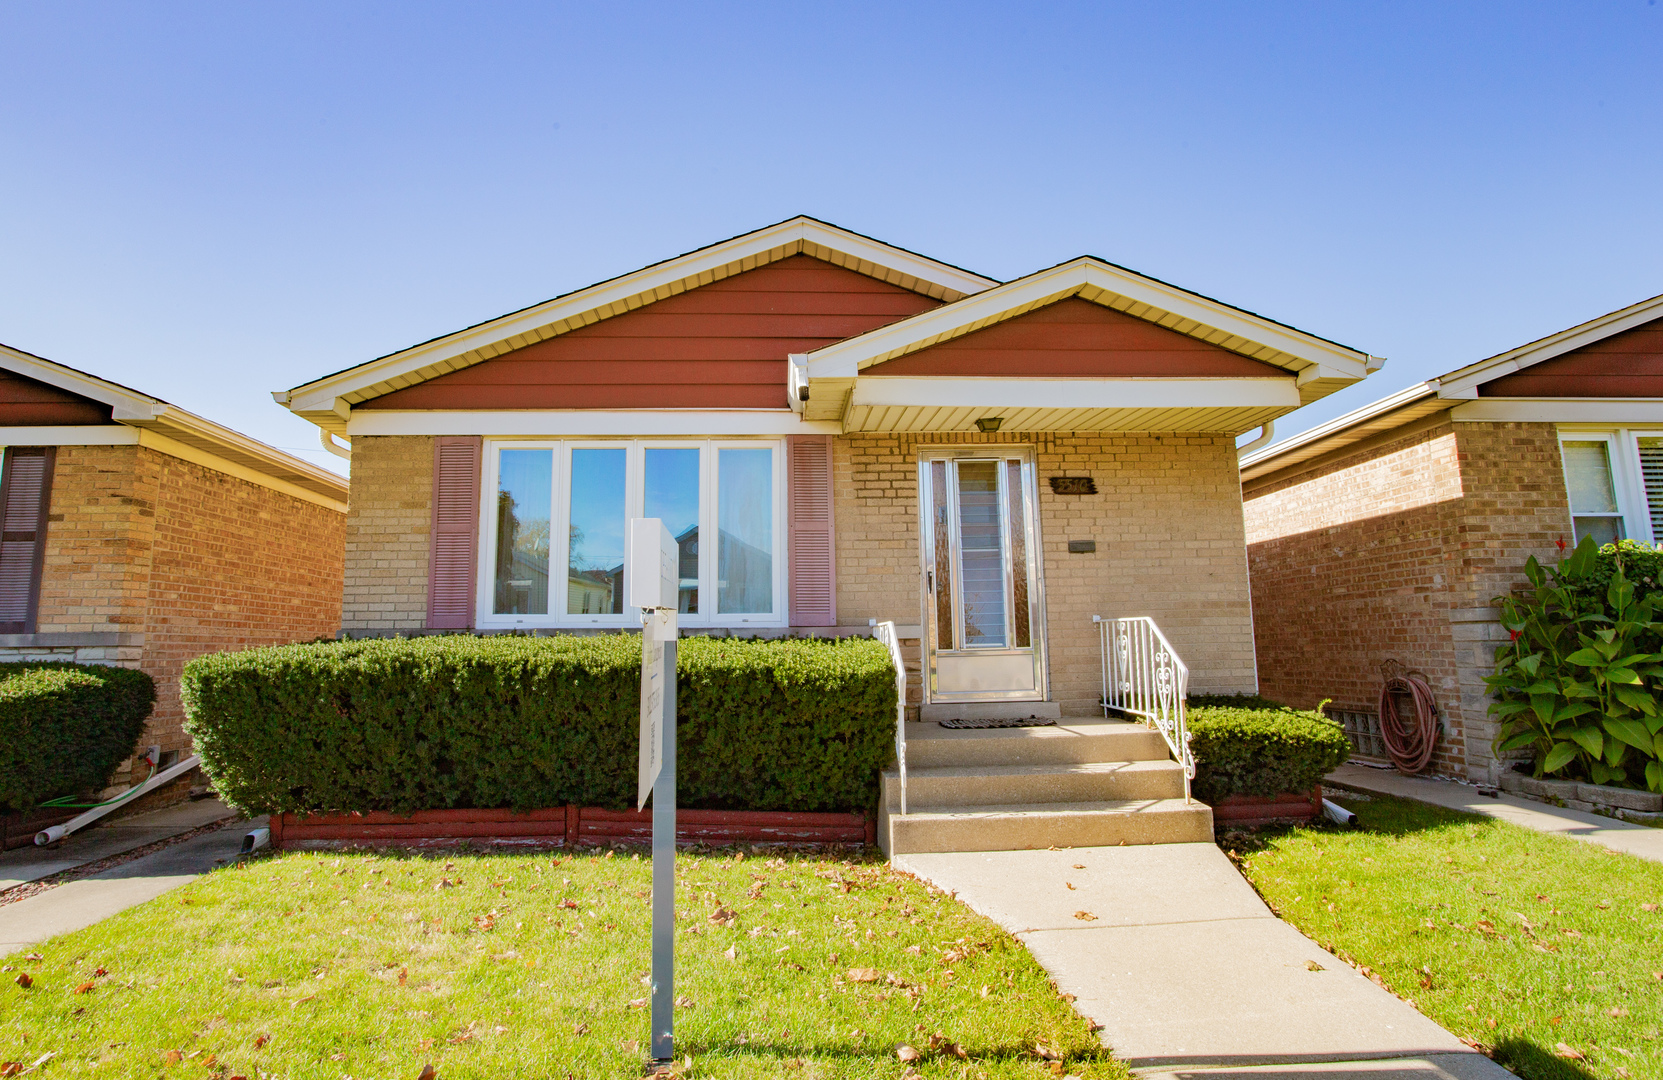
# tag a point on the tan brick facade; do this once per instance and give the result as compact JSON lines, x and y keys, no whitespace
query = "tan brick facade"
{"x":1168,"y":527}
{"x":387,"y":533}
{"x":152,"y":560}
{"x":1394,"y":550}
{"x":1166,"y":519}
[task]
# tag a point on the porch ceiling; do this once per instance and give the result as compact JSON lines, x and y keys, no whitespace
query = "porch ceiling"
{"x":1223,"y":419}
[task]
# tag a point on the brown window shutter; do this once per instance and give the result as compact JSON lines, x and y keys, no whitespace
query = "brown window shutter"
{"x":451,"y":566}
{"x":809,"y":525}
{"x":25,"y":496}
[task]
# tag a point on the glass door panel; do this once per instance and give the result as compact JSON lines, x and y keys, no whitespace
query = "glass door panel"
{"x":981,"y":554}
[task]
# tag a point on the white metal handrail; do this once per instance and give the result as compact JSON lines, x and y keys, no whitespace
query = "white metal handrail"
{"x":885,"y":632}
{"x":1143,"y":676}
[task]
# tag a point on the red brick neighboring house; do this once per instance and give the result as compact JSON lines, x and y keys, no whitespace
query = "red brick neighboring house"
{"x":838,"y":431}
{"x":1386,"y":534}
{"x":139,"y":534}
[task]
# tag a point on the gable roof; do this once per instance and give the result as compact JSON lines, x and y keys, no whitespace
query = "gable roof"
{"x":328,"y":401}
{"x":1315,"y":365}
{"x":136,"y":409}
{"x":1455,"y":389}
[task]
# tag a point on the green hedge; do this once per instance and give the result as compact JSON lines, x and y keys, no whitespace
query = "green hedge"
{"x":461,"y":721}
{"x":65,"y":727}
{"x":1261,"y":751}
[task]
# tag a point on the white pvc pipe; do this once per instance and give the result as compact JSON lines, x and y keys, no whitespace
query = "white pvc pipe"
{"x":58,"y":832}
{"x":255,"y":840}
{"x":1338,"y":814}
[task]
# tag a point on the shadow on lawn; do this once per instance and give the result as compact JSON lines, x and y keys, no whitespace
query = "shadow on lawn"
{"x":1533,"y":1063}
{"x":1401,"y":817}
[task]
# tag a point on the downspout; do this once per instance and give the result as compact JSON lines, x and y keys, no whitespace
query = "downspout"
{"x":1269,"y":432}
{"x":334,"y":447}
{"x":58,"y":832}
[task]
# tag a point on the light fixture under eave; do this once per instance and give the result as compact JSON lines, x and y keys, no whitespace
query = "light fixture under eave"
{"x":987,"y":425}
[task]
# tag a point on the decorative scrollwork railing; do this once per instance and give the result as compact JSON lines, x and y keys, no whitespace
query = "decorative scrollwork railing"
{"x":1143,"y":677}
{"x":885,"y":632}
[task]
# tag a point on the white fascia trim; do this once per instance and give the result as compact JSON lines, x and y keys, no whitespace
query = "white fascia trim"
{"x":1623,"y":412}
{"x":592,"y":423}
{"x":845,"y":359}
{"x":152,"y":440}
{"x":994,"y":393}
{"x":1339,"y":424}
{"x":170,"y":418}
{"x":321,"y":395}
{"x":75,"y":435}
{"x":1464,"y":382}
{"x":127,"y":404}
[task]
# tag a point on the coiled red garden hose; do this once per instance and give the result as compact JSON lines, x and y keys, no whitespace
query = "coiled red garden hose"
{"x":1409,"y":743}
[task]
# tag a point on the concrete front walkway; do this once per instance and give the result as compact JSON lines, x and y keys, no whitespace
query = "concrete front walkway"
{"x":1641,"y":840}
{"x":1186,"y":968}
{"x":78,"y":904}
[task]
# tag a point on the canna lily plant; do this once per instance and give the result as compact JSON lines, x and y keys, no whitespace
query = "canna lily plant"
{"x":1579,"y":682}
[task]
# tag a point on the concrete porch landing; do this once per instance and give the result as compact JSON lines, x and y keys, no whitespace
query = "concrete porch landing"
{"x":1186,"y":969}
{"x":1082,"y":781}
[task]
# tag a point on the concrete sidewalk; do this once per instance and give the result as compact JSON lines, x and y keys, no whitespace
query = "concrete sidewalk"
{"x":102,"y":840}
{"x":78,"y":904}
{"x":1186,"y":968}
{"x":1626,"y":836}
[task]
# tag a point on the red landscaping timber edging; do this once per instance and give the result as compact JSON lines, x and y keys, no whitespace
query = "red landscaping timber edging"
{"x":1268,"y":809}
{"x":567,"y":826}
{"x":19,"y":829}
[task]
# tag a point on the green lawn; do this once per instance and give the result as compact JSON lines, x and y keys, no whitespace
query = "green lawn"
{"x":370,"y":966}
{"x":1535,"y":947}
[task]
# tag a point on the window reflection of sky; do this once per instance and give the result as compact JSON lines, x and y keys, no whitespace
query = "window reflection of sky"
{"x":597,"y":509}
{"x":672,"y":495}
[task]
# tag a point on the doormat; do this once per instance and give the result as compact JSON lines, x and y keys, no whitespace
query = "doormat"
{"x":1010,"y":721}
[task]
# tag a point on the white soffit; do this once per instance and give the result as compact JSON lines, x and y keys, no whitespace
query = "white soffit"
{"x":1622,"y":412}
{"x":1232,"y":420}
{"x":328,"y":401}
{"x":1074,"y":394}
{"x":1317,"y":361}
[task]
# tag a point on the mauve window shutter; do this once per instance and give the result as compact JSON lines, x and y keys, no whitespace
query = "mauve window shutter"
{"x":810,"y":529}
{"x":25,"y":496}
{"x":451,"y":566}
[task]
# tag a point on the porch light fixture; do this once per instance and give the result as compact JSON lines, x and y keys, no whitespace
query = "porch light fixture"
{"x":987,"y":425}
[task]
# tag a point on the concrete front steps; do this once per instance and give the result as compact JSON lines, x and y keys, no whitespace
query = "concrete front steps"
{"x":1085,"y":782}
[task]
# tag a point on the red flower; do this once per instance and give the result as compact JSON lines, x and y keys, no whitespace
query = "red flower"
{"x":1561,"y":543}
{"x":1515,"y":634}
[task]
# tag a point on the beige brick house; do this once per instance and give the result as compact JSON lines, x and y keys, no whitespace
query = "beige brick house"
{"x":139,"y":534}
{"x":839,"y":432}
{"x":1388,"y":533}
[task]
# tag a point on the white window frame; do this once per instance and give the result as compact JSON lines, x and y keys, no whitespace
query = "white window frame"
{"x":634,"y":502}
{"x":1622,"y":450}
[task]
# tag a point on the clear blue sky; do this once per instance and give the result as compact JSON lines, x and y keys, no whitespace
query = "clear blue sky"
{"x":212,"y":201}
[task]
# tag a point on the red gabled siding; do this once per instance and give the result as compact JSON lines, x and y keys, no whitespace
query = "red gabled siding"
{"x":720,"y":346}
{"x":1076,"y":338}
{"x":1629,"y":364}
{"x":25,"y":402}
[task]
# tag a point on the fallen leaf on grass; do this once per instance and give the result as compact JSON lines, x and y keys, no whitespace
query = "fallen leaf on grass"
{"x":261,"y":1040}
{"x":1648,"y":907}
{"x":12,"y":1068}
{"x":639,"y":1003}
{"x":1616,"y":1012}
{"x":723,"y":917}
{"x":173,"y":1057}
{"x":732,"y":953}
{"x":863,"y":975}
{"x":1085,"y":916}
{"x":1569,"y":1053}
{"x":428,"y":1073}
{"x":1568,"y":932}
{"x":904,"y":1052}
{"x":86,"y":988}
{"x":1046,"y":1053}
{"x":25,"y":981}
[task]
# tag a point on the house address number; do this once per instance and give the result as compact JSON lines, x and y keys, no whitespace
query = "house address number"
{"x":1073,"y":485}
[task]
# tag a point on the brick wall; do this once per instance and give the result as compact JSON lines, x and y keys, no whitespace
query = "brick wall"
{"x":233,"y":565}
{"x":1168,"y":527}
{"x":181,"y":560}
{"x":98,"y":540}
{"x":1393,"y":550}
{"x":387,"y":531}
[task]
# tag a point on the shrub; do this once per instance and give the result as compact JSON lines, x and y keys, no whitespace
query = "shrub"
{"x":1231,"y":701}
{"x":461,"y":721}
{"x":1262,"y":751}
{"x":1577,"y":684}
{"x":65,"y":727}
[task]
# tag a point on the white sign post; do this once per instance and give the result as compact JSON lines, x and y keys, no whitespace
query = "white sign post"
{"x":654,"y":586}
